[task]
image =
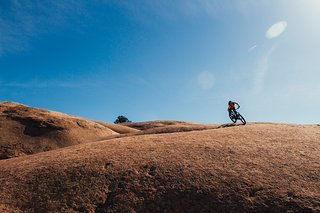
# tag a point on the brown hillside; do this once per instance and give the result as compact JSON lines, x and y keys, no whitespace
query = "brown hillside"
{"x":162,"y":127}
{"x":157,"y":127}
{"x":160,"y":124}
{"x":27,"y":130}
{"x":252,"y":168}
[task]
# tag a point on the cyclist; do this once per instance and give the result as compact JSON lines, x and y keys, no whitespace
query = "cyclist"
{"x":231,"y":107}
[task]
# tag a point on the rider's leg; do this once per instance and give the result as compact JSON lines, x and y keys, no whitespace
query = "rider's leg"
{"x":235,"y":111}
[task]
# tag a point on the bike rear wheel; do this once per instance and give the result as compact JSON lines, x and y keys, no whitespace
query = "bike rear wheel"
{"x":242,"y":119}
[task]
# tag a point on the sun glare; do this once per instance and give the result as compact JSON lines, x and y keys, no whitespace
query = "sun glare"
{"x":276,"y":29}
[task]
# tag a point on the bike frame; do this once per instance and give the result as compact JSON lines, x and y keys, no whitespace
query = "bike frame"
{"x":235,"y":116}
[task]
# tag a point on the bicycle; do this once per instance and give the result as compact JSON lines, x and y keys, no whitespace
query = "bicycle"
{"x":235,"y":115}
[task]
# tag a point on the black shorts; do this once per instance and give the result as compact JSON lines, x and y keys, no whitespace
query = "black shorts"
{"x":233,"y":109}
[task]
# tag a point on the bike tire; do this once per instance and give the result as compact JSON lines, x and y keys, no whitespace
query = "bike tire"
{"x":242,"y":119}
{"x":233,"y":118}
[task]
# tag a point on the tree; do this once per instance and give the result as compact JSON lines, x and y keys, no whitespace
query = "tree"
{"x":121,"y":119}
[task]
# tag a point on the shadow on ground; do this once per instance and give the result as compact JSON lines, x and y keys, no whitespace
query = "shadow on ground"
{"x":229,"y":125}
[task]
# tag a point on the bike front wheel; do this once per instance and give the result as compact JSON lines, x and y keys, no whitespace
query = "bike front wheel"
{"x":242,"y":119}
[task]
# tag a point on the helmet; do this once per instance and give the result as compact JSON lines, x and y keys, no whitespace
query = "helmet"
{"x":230,"y":102}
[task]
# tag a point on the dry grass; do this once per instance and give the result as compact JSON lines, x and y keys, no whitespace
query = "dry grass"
{"x":161,"y":124}
{"x":26,"y":130}
{"x":257,"y":168}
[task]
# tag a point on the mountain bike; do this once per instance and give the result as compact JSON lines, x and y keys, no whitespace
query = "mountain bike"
{"x":237,"y":116}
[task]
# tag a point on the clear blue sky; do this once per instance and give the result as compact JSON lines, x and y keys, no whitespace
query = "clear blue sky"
{"x":163,"y":59}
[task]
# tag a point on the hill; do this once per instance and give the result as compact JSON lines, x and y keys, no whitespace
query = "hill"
{"x":27,"y":130}
{"x":259,"y":167}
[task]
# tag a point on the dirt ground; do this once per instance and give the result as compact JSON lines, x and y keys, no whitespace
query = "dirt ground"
{"x":181,"y":167}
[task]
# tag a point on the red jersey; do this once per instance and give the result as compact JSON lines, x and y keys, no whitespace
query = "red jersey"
{"x":231,"y":106}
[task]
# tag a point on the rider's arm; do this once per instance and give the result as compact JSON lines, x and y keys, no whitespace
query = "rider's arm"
{"x":237,"y":104}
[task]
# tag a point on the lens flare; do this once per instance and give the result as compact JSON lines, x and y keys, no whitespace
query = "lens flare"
{"x":276,"y":29}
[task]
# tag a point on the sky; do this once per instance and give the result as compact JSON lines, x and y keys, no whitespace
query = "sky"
{"x":163,"y":59}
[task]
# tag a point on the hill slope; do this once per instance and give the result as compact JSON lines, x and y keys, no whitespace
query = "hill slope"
{"x":257,"y":167}
{"x":28,"y":130}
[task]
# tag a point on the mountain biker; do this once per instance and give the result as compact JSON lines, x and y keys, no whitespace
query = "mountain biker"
{"x":231,"y":107}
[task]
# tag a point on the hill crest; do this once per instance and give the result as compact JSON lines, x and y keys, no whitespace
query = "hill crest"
{"x":259,"y":167}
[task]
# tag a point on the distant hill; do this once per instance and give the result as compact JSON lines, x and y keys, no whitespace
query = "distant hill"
{"x":140,"y":167}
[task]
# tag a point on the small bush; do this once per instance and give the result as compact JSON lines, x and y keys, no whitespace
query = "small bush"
{"x":121,"y":119}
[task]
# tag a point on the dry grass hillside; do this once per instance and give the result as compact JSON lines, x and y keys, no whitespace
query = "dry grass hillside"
{"x":259,"y":167}
{"x":162,"y":124}
{"x":28,"y":130}
{"x":164,"y":127}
